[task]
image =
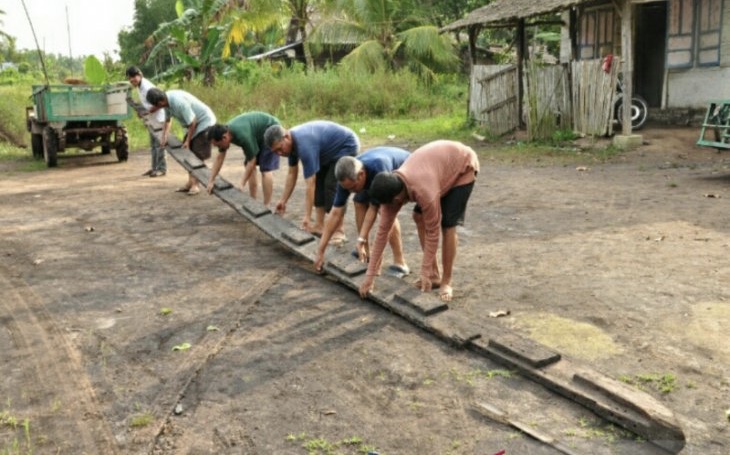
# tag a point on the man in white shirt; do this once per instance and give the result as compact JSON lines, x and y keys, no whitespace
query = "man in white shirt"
{"x":156,"y":121}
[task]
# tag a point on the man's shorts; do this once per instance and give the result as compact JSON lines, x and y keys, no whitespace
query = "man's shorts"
{"x":266,"y":160}
{"x":453,"y":205}
{"x":201,"y":146}
{"x":325,"y":187}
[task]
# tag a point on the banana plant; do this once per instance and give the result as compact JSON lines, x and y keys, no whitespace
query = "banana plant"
{"x":193,"y":39}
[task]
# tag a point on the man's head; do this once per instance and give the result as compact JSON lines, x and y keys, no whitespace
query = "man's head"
{"x":134,"y":75}
{"x":279,"y":140}
{"x":350,"y":174}
{"x":157,"y":97}
{"x":220,"y":136}
{"x":386,"y":188}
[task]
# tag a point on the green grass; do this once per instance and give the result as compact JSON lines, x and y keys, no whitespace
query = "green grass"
{"x":383,"y":109}
{"x":322,"y":446}
{"x":663,"y":383}
{"x":20,"y":443}
{"x":141,"y":420}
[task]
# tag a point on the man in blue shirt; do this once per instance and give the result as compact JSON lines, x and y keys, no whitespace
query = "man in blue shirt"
{"x":317,"y":145}
{"x":355,"y":175}
{"x":193,"y":115}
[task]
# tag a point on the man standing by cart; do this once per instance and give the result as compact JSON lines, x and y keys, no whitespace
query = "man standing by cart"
{"x":155,"y":120}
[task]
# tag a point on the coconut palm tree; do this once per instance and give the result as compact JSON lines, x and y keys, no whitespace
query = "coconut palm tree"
{"x":386,"y":35}
{"x":2,"y":32}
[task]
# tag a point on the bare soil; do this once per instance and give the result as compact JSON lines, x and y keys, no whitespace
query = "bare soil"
{"x":136,"y":320}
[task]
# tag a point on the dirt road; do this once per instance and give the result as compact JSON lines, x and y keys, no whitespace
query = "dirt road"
{"x":139,"y":320}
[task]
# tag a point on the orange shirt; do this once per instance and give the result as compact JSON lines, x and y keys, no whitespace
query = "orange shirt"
{"x":428,"y":174}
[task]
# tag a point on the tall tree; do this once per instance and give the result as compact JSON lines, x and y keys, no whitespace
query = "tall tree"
{"x":387,"y":35}
{"x":4,"y":36}
{"x":148,"y":15}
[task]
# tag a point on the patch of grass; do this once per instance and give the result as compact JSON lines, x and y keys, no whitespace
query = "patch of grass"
{"x":322,"y":446}
{"x":470,"y":377}
{"x":454,"y":448}
{"x":141,"y":420}
{"x":607,"y":432}
{"x":545,"y":153}
{"x":662,"y":383}
{"x":18,"y":444}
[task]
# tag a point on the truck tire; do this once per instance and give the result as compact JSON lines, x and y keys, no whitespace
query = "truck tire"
{"x":123,"y":149}
{"x":36,"y":144}
{"x":106,"y":148}
{"x":50,"y":147}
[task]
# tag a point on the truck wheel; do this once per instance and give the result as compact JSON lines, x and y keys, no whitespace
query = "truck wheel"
{"x":106,"y":148}
{"x":50,"y":147}
{"x":123,"y":149}
{"x":36,"y":144}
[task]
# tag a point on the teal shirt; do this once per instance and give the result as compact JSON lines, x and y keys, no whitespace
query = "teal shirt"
{"x":247,"y":131}
{"x":186,"y":108}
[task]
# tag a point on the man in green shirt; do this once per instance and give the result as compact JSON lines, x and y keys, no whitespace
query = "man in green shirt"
{"x":247,"y":132}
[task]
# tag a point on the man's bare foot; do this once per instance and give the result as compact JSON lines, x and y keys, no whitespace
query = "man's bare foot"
{"x":446,"y":293}
{"x":435,"y":283}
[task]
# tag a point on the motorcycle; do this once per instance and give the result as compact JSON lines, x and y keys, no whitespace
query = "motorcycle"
{"x":639,"y":108}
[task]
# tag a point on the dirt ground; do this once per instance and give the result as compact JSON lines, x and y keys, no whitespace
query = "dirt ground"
{"x":136,"y":320}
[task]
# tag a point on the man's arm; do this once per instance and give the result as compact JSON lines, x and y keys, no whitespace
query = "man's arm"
{"x":431,"y":215}
{"x":291,"y":181}
{"x":333,"y":220}
{"x":388,"y":214}
{"x":217,"y":164}
{"x":309,"y":202}
{"x":248,"y":172}
{"x":165,"y":132}
{"x":189,"y":136}
{"x":367,"y":224}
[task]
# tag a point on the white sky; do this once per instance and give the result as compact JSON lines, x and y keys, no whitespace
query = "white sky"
{"x":93,"y":25}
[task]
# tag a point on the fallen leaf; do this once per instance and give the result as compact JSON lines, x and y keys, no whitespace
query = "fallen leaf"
{"x":329,"y":413}
{"x":165,"y":311}
{"x":182,"y":347}
{"x":499,"y":313}
{"x":712,"y":196}
{"x":212,"y":328}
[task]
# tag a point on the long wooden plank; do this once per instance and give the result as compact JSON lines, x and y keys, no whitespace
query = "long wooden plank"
{"x":629,"y":408}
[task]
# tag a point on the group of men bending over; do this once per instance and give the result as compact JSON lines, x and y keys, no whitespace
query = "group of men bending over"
{"x":438,"y":177}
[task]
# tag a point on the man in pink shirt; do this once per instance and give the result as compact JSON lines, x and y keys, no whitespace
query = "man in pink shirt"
{"x":439,"y":178}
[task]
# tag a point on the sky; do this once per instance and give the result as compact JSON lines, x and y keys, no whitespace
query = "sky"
{"x":93,"y":25}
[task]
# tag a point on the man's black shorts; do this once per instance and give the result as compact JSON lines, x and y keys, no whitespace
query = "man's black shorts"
{"x":453,"y":205}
